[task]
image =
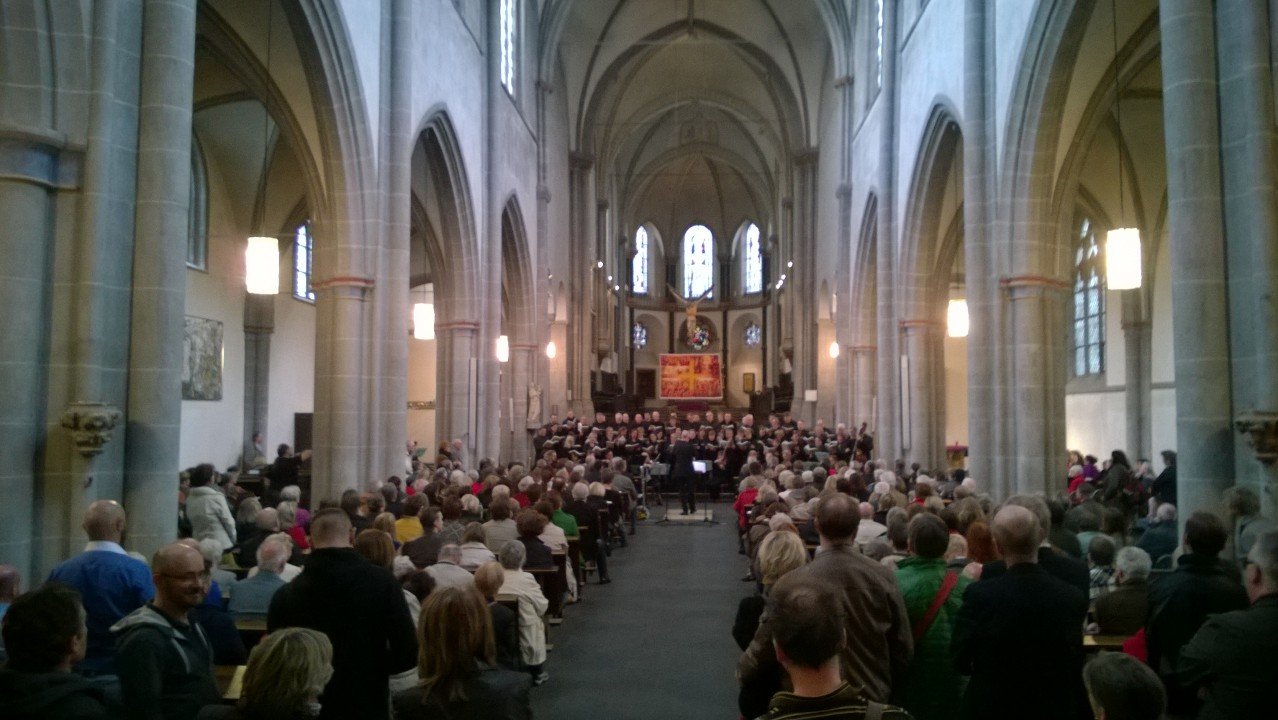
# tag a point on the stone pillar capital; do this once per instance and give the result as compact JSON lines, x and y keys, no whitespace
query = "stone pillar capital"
{"x":1261,"y":429}
{"x":90,"y":424}
{"x":1020,"y":287}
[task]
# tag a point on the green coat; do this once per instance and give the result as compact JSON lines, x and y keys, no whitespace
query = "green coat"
{"x":932,"y":685}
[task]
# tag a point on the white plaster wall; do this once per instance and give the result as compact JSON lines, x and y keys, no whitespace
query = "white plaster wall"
{"x":292,"y":378}
{"x":1096,"y":423}
{"x":1011,"y":23}
{"x":364,"y":28}
{"x":955,"y":391}
{"x":1162,"y":402}
{"x":1162,"y":362}
{"x":421,"y":388}
{"x":212,"y":430}
{"x":1115,"y":339}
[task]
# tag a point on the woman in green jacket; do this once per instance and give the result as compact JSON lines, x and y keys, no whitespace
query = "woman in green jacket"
{"x":933,"y":596}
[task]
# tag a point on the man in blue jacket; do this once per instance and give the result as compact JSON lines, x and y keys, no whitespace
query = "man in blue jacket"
{"x":112,"y":583}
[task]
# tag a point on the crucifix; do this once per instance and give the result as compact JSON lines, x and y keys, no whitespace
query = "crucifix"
{"x":690,"y":307}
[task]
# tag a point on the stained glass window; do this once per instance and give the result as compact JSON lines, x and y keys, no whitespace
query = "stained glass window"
{"x":639,"y":336}
{"x":753,"y":335}
{"x":508,"y":17}
{"x":197,"y":240}
{"x":639,"y":263}
{"x":303,"y":261}
{"x":753,"y":261}
{"x":698,"y":262}
{"x":1089,"y":302}
{"x":878,"y":43}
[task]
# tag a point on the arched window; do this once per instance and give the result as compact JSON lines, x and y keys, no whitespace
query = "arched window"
{"x":753,"y":335}
{"x":698,"y":261}
{"x":878,"y":43}
{"x":639,"y":263}
{"x":197,"y":240}
{"x":639,"y":335}
{"x":752,"y":261}
{"x":1089,"y":302}
{"x":509,"y":14}
{"x":303,"y":261}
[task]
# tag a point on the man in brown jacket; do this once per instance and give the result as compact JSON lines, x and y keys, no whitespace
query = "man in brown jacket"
{"x":879,"y":641}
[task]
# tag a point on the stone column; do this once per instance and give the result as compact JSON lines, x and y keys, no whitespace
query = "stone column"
{"x":981,"y":289}
{"x":259,"y":325}
{"x":1200,"y":319}
{"x":339,"y":370}
{"x":1136,"y":337}
{"x":555,"y":399}
{"x":920,"y":339}
{"x":520,"y":369}
{"x":826,"y":380}
{"x":887,"y":440}
{"x":1249,"y":156}
{"x":28,"y":172}
{"x":806,"y":359}
{"x":1036,"y":321}
{"x":159,"y":272}
{"x":863,"y":372}
{"x":458,"y":345}
{"x":582,"y":282}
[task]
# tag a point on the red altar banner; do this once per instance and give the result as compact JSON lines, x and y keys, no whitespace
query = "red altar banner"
{"x":690,"y":376}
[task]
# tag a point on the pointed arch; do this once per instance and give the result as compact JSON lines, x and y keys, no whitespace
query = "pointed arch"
{"x":442,"y":190}
{"x":940,"y":155}
{"x":516,"y":273}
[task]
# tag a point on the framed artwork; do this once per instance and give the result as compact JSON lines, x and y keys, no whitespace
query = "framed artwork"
{"x":747,"y":383}
{"x":690,"y":376}
{"x":202,"y":359}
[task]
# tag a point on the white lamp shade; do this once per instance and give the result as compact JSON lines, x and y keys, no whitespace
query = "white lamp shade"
{"x":834,"y":349}
{"x":262,"y":266}
{"x":424,"y":321}
{"x":503,"y":348}
{"x":1122,"y":259}
{"x":551,"y":350}
{"x":956,"y":319}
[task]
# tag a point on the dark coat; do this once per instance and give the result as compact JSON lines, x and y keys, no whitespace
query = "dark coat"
{"x":537,"y":554}
{"x":1179,"y":603}
{"x":1159,"y":540}
{"x":682,"y":454}
{"x":1019,"y":636}
{"x":1066,"y":541}
{"x":1056,"y":564}
{"x":424,"y":550}
{"x":165,"y":668}
{"x":492,"y":694}
{"x":361,"y":609}
{"x":506,"y":633}
{"x":50,"y":696}
{"x":1232,"y":657}
{"x":1122,"y":611}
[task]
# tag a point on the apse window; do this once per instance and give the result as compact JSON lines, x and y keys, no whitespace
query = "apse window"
{"x":753,"y":335}
{"x":639,"y":336}
{"x":639,"y":263}
{"x":753,"y":262}
{"x":878,"y":43}
{"x":698,"y":262}
{"x":508,"y":11}
{"x":1089,"y":302}
{"x":303,"y":262}
{"x":197,"y":239}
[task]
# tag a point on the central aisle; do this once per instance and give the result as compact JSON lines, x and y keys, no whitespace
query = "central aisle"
{"x":657,"y":642}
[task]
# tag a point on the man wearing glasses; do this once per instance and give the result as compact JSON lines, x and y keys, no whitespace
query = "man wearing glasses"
{"x":164,"y":660}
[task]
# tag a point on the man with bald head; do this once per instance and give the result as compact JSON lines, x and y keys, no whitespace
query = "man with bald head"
{"x":360,"y":607}
{"x":165,"y":661}
{"x":111,"y":583}
{"x":1019,"y":635}
{"x":1053,"y":562}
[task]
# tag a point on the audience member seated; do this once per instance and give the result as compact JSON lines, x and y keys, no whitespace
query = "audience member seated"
{"x":252,"y":596}
{"x":474,"y":548}
{"x":552,"y":536}
{"x":287,"y":513}
{"x":501,"y":528}
{"x":779,"y":553}
{"x":45,"y":635}
{"x":1019,"y":633}
{"x":285,"y":676}
{"x":164,"y":660}
{"x":111,"y":583}
{"x":246,"y":518}
{"x":223,"y":580}
{"x":867,"y":529}
{"x":292,"y":568}
{"x":293,"y":494}
{"x":207,"y":509}
{"x":1120,"y":687}
{"x":530,"y":524}
{"x":457,"y":665}
{"x":452,"y":528}
{"x":1161,"y":538}
{"x":1122,"y":610}
{"x":875,"y":613}
{"x":1052,"y":562}
{"x":424,"y":550}
{"x":809,"y":631}
{"x":1060,"y":536}
{"x":360,"y":607}
{"x":532,"y":608}
{"x":563,"y":520}
{"x":1233,"y":658}
{"x":1100,"y":563}
{"x":352,"y":504}
{"x":213,"y":620}
{"x":587,"y":526}
{"x":933,"y":595}
{"x":266,"y":525}
{"x":1182,"y":600}
{"x":488,"y":581}
{"x":447,"y":570}
{"x":409,"y":525}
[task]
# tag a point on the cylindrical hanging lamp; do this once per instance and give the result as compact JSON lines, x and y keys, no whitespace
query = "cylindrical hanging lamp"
{"x":262,"y":266}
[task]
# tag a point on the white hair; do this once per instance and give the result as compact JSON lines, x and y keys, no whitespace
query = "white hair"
{"x":501,"y":491}
{"x":1165,"y":512}
{"x":882,"y":488}
{"x":272,"y":555}
{"x":291,"y":493}
{"x":1134,"y":563}
{"x":525,"y":483}
{"x":779,"y":521}
{"x":512,"y":555}
{"x":470,"y":503}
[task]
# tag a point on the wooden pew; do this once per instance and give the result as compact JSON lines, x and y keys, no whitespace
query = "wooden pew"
{"x":251,"y":630}
{"x":230,"y":682}
{"x":1097,"y":643}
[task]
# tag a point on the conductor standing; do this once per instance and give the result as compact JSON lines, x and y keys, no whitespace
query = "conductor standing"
{"x":681,"y":470}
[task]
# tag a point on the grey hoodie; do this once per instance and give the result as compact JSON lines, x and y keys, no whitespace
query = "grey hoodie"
{"x":150,"y":646}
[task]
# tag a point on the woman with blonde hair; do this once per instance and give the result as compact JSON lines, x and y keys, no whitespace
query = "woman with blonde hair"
{"x":455,"y":661}
{"x":779,"y":553}
{"x":285,"y":676}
